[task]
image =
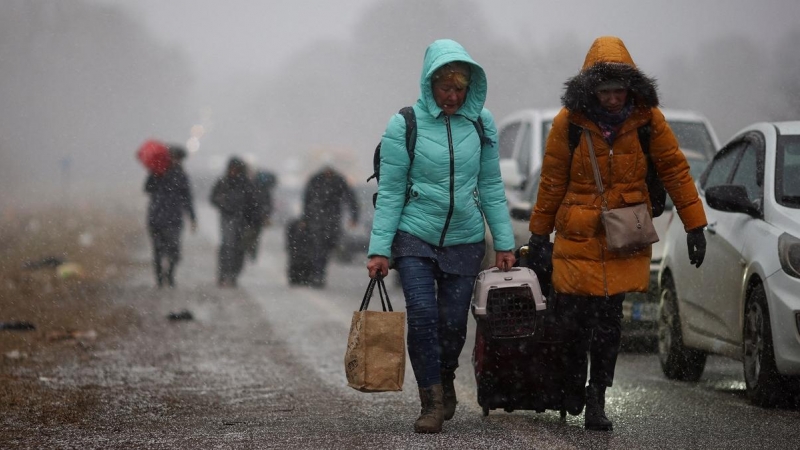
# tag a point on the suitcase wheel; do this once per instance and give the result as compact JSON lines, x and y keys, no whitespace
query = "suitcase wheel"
{"x":563,"y":414}
{"x":485,"y":410}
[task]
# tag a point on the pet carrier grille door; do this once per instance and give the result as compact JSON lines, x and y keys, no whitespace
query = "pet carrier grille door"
{"x":511,"y":312}
{"x":507,"y":302}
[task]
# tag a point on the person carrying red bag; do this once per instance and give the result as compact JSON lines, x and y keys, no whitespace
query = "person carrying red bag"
{"x":170,"y":196}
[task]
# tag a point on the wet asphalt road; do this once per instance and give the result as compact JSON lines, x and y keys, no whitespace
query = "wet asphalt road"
{"x":261,"y":366}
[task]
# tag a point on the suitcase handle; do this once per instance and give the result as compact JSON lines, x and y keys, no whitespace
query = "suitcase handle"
{"x":382,"y":292}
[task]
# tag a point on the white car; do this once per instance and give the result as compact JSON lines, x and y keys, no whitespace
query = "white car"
{"x":522,"y":139}
{"x":522,"y":136}
{"x":744,"y":300}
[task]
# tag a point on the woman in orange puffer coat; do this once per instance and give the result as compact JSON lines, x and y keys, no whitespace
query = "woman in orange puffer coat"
{"x":609,"y":100}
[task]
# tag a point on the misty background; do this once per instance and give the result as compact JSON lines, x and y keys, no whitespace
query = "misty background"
{"x":289,"y":85}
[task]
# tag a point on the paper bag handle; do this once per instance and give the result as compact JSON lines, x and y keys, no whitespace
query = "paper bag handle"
{"x":384,"y":294}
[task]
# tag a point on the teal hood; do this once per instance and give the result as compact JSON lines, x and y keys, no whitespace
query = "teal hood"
{"x":440,"y":53}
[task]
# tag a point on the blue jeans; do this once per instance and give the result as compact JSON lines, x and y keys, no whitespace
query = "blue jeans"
{"x":437,"y":327}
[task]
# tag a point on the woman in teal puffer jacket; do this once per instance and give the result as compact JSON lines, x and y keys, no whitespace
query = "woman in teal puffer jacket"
{"x":429,"y":218}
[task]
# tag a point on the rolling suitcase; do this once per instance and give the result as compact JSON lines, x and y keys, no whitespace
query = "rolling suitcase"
{"x":298,"y":253}
{"x":520,"y":354}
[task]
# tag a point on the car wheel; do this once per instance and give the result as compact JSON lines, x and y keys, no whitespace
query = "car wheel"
{"x":677,"y":361}
{"x":764,"y":383}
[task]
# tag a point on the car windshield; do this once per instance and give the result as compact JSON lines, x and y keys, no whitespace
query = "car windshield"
{"x":696,"y":167}
{"x":787,"y":171}
{"x":693,"y":135}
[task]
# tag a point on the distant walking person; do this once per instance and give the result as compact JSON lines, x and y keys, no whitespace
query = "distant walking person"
{"x":232,"y":194}
{"x":170,"y":197}
{"x":260,"y":215}
{"x":326,"y":193}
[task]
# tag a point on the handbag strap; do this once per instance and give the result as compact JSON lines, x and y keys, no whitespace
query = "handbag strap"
{"x":382,"y":292}
{"x":595,"y":169}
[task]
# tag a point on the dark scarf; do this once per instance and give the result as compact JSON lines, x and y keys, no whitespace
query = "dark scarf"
{"x":609,"y":123}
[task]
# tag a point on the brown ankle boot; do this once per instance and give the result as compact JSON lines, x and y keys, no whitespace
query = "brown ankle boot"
{"x":449,"y":393}
{"x":431,"y":416}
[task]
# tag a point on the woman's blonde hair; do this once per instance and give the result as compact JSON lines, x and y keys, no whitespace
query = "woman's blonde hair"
{"x":457,"y":72}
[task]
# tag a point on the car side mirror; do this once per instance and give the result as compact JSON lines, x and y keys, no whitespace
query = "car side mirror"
{"x":731,"y":198}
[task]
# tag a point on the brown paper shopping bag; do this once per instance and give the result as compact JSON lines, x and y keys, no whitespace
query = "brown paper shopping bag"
{"x":375,"y":360}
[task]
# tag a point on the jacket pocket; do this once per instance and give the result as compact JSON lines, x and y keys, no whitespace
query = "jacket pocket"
{"x":577,"y":221}
{"x":633,"y":197}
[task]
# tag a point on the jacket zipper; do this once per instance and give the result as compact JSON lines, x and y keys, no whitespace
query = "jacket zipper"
{"x":452,"y":180}
{"x":610,"y":164}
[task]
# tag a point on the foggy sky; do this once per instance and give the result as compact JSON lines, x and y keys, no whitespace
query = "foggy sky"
{"x":252,"y":36}
{"x":250,"y":40}
{"x":302,"y":81}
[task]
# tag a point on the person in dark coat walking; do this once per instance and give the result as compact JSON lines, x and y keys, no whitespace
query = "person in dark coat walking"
{"x":259,"y":217}
{"x":326,"y":193}
{"x":232,"y":194}
{"x":170,"y":197}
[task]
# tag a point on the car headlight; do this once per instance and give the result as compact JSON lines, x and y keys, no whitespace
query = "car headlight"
{"x":789,"y":254}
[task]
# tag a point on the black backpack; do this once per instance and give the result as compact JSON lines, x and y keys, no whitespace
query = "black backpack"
{"x":411,"y":143}
{"x":658,"y":194}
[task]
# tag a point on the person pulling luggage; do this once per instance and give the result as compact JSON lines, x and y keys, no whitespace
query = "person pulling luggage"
{"x":326,"y":194}
{"x":609,"y":100}
{"x":429,"y":218}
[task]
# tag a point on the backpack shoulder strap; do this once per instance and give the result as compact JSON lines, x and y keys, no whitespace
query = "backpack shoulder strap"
{"x":644,"y":138}
{"x":655,"y":187}
{"x":411,"y":141}
{"x":411,"y":130}
{"x":574,"y":135}
{"x":481,"y":129}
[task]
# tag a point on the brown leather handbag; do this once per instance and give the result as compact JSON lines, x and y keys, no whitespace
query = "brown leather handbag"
{"x":628,"y":229}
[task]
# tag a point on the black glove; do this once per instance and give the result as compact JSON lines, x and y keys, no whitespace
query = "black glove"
{"x":540,"y":254}
{"x":537,"y":240}
{"x":696,"y":241}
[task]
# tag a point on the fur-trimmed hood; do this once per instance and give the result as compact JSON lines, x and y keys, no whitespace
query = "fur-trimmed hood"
{"x":608,"y":59}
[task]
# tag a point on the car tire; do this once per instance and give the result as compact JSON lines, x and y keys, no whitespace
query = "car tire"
{"x":765,"y":386}
{"x":677,"y":361}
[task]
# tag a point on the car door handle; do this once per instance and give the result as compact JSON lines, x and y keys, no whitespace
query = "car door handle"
{"x":712,"y":228}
